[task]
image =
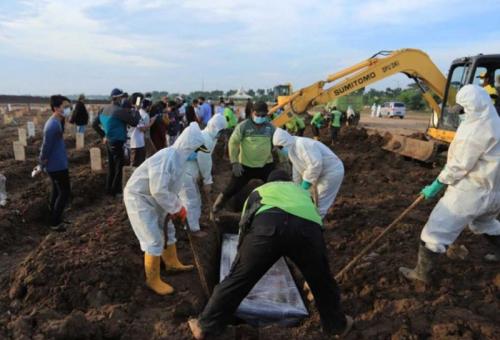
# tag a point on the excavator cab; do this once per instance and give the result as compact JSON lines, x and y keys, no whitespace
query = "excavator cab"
{"x":282,"y":92}
{"x":463,"y":71}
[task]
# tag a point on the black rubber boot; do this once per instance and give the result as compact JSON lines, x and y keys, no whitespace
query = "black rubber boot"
{"x":494,"y":240}
{"x":425,"y":265}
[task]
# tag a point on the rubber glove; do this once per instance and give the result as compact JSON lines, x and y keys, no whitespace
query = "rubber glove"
{"x":180,"y":216}
{"x":430,"y":191}
{"x":305,"y":185}
{"x":237,"y":169}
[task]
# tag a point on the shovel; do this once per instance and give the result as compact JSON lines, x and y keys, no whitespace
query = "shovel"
{"x":203,"y":280}
{"x":372,"y":244}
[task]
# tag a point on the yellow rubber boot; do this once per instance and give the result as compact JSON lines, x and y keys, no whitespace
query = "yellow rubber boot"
{"x":153,"y":280}
{"x":171,"y":260}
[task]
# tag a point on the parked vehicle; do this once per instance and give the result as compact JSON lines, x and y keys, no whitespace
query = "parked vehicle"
{"x":393,"y":109}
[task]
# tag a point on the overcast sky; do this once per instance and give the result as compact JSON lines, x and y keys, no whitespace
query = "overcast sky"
{"x":91,"y":46}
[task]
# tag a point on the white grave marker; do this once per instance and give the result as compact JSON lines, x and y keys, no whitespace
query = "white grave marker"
{"x":31,"y":129}
{"x":19,"y":153}
{"x":9,"y":108}
{"x":80,"y":140}
{"x":95,"y":159}
{"x":22,"y":136}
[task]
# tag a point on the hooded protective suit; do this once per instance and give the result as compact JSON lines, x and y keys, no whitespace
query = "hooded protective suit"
{"x":151,"y":192}
{"x":190,"y":193}
{"x":472,"y":173}
{"x":315,"y":163}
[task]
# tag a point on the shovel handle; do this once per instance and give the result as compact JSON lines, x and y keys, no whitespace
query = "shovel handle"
{"x":366,"y":249}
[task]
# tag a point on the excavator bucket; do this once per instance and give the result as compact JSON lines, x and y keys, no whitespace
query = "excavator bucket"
{"x":421,"y":150}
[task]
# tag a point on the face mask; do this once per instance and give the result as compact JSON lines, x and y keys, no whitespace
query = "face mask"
{"x":66,"y":112}
{"x":259,"y":119}
{"x":284,"y":150}
{"x":481,"y":82}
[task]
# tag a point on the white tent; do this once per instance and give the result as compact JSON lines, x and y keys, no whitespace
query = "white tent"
{"x":240,"y":95}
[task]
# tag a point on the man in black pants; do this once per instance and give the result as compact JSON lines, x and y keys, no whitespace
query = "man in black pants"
{"x":279,"y":219}
{"x":250,"y":153}
{"x":54,"y":160}
{"x":114,"y":120}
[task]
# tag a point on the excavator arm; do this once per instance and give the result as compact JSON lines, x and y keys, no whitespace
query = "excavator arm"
{"x":412,"y":62}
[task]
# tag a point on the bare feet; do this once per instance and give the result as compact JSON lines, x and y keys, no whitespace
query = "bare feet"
{"x":196,"y":330}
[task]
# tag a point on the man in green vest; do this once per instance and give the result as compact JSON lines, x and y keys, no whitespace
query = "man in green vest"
{"x":230,"y":116}
{"x":317,"y":122}
{"x":250,"y":153}
{"x":296,"y":126}
{"x":279,"y":219}
{"x":336,"y":123}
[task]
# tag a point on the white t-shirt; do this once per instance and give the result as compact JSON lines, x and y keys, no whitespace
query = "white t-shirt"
{"x":136,"y":135}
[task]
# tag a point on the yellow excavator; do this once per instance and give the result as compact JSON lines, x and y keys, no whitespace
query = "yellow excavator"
{"x":416,"y":65}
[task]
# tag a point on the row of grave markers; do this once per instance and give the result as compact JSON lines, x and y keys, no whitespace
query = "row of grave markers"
{"x":95,"y":155}
{"x":20,"y":145}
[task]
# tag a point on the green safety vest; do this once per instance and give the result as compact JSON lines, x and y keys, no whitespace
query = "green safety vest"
{"x":318,"y":120}
{"x":230,"y":118}
{"x":288,"y":197}
{"x":336,"y":118}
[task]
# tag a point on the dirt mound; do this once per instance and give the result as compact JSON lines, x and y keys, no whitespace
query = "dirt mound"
{"x":87,"y":283}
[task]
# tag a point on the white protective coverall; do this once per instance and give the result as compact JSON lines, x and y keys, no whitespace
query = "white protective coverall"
{"x":190,"y":193}
{"x":472,"y":173}
{"x":373,"y":110}
{"x":151,"y":192}
{"x":315,"y":163}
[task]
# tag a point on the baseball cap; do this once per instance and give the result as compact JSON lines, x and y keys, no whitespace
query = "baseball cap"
{"x":261,"y":108}
{"x":116,"y":93}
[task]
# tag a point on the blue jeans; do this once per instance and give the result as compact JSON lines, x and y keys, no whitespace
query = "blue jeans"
{"x":80,"y":128}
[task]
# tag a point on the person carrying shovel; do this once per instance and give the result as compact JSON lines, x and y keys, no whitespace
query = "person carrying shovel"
{"x":151,"y":196}
{"x":472,"y":174}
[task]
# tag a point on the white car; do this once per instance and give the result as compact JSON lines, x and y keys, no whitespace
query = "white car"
{"x":393,"y":109}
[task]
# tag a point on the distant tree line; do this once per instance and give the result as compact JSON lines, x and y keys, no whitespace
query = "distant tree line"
{"x":411,"y":96}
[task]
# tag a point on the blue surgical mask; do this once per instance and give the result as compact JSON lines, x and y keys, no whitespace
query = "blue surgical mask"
{"x":259,"y":119}
{"x":284,"y":151}
{"x":66,"y":112}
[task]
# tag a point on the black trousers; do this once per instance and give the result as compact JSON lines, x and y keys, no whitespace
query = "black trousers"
{"x":61,"y":191}
{"x":273,"y":234}
{"x":115,"y":165}
{"x":237,"y":183}
{"x":137,"y":156}
{"x":334,"y":132}
{"x":315,"y":130}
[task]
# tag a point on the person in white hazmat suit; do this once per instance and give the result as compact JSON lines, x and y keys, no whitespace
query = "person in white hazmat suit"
{"x":373,"y":110}
{"x":151,"y":195}
{"x":472,"y":174}
{"x":313,"y":164}
{"x":200,"y":163}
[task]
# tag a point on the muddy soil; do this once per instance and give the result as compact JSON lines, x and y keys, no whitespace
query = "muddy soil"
{"x":88,"y":283}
